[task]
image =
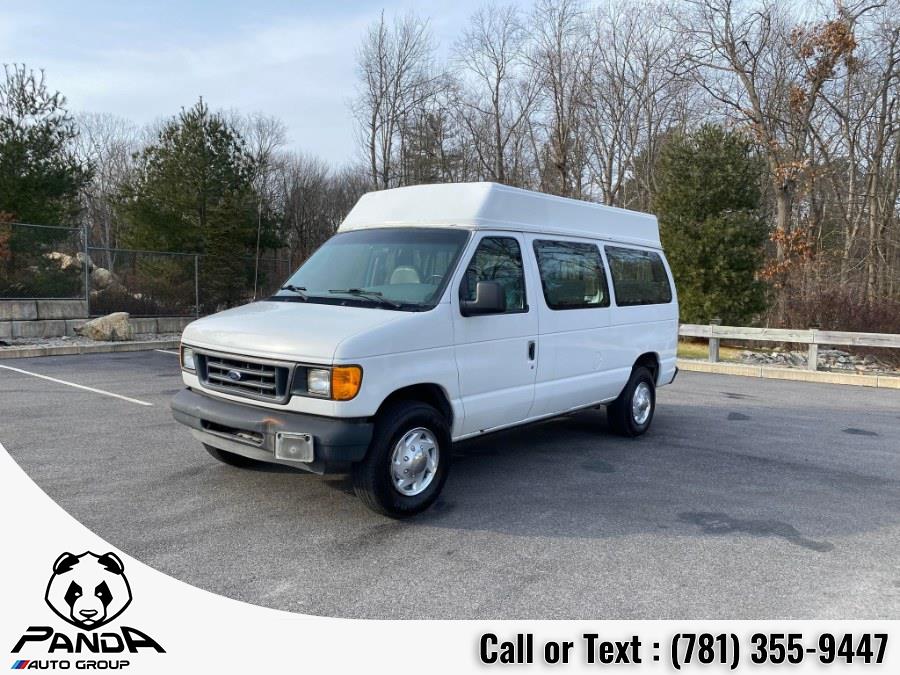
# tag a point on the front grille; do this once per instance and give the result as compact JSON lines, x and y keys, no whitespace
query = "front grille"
{"x":243,"y":376}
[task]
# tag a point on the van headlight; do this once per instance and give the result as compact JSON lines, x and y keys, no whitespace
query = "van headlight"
{"x":340,"y":383}
{"x":187,"y":359}
{"x":318,"y":382}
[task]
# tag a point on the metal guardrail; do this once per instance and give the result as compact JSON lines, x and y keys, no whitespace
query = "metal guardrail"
{"x":812,"y":337}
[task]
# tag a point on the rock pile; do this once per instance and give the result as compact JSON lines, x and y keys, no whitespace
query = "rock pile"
{"x":829,"y":359}
{"x":102,"y":279}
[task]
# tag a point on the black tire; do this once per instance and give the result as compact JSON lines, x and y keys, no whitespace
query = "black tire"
{"x":619,"y":412}
{"x":372,"y":476}
{"x":232,"y":459}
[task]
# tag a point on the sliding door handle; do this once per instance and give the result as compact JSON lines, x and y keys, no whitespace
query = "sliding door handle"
{"x":531,"y":350}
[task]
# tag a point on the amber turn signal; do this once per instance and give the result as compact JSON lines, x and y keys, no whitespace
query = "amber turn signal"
{"x":345,"y":382}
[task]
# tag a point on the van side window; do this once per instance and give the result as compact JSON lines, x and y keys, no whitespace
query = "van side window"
{"x":639,"y":277}
{"x":572,"y":274}
{"x":497,"y":259}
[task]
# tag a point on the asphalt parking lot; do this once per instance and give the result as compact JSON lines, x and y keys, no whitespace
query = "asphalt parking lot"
{"x":748,"y":498}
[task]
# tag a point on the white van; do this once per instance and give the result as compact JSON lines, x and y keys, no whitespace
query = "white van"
{"x":436,"y":313}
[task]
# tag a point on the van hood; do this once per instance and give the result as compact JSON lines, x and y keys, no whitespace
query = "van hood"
{"x":295,"y":331}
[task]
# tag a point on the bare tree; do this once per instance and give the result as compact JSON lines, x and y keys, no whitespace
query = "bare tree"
{"x":314,"y":200}
{"x":346,"y":185}
{"x":768,"y":72}
{"x":857,"y":135}
{"x":497,"y":93}
{"x":561,"y":63}
{"x":395,"y":70}
{"x":108,"y":143}
{"x":304,"y":182}
{"x":264,"y":137}
{"x":429,"y":144}
{"x":635,"y":96}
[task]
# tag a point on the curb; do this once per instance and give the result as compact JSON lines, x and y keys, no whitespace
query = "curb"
{"x":776,"y":373}
{"x":70,"y":350}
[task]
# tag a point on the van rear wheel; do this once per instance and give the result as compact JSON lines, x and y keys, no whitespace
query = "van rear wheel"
{"x":631,"y":413}
{"x":407,"y":462}
{"x":232,"y":459}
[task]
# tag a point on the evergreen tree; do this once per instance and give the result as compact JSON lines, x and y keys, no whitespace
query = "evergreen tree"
{"x":40,"y":181}
{"x":708,"y":204}
{"x":193,"y":192}
{"x":40,"y":177}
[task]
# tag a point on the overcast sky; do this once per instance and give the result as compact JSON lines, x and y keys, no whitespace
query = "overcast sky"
{"x":144,"y":60}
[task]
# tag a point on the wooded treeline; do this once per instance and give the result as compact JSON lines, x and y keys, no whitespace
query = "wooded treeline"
{"x":579,"y":100}
{"x":610,"y":102}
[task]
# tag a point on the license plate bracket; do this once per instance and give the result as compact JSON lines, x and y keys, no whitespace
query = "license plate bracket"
{"x":294,"y":446}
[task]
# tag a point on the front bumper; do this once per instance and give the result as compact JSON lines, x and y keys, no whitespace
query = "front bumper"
{"x":249,"y":431}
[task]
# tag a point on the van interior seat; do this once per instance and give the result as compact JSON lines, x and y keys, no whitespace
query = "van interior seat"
{"x":570,"y":291}
{"x":404,"y":275}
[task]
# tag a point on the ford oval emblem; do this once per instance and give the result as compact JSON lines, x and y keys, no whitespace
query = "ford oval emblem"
{"x":233,"y":375}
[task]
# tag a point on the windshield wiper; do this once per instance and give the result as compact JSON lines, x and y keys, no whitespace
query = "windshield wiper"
{"x":368,"y":295}
{"x":299,"y":290}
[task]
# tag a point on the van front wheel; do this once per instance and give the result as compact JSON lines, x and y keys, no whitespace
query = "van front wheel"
{"x":632,"y":412}
{"x":407,"y":462}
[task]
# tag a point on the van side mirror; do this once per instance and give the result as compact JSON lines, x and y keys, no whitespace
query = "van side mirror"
{"x":490,"y":298}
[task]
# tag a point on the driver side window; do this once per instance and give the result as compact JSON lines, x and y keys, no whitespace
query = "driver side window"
{"x":497,"y":259}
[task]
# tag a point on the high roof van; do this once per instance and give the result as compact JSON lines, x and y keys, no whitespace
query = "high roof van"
{"x":436,"y":313}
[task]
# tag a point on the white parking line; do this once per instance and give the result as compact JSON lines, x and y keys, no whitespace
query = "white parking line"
{"x":77,"y":386}
{"x":165,"y":351}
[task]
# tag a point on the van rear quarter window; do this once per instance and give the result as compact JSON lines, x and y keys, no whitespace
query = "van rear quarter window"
{"x":639,"y":277}
{"x":572,"y":274}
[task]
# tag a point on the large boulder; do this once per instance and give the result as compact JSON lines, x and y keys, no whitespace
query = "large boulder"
{"x":114,"y":327}
{"x":64,"y":261}
{"x":102,"y":278}
{"x":82,"y":258}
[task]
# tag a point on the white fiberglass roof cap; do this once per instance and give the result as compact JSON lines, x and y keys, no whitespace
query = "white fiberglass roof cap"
{"x":493,"y":206}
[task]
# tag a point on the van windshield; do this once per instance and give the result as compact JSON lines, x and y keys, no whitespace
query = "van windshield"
{"x":404,"y":268}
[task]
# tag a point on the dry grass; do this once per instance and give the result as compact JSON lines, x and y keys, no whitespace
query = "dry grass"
{"x":700,"y":350}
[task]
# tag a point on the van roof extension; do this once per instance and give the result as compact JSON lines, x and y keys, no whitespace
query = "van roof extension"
{"x":499,"y":207}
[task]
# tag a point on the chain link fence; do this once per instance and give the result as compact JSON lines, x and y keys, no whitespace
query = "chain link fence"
{"x":142,"y":283}
{"x":57,"y":263}
{"x":41,"y":262}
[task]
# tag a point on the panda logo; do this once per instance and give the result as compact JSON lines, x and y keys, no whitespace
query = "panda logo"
{"x":88,"y":590}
